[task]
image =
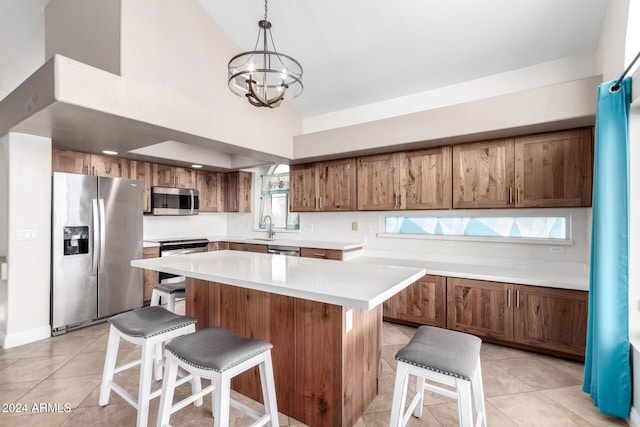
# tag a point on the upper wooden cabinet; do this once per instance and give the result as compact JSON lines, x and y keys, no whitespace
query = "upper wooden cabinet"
{"x":142,"y":171}
{"x":483,"y":174}
{"x":210,"y":186}
{"x":554,"y":169}
{"x":237,"y":191}
{"x":325,"y":186}
{"x":408,"y":180}
{"x":547,"y":170}
{"x":89,"y":164}
{"x":172,"y":176}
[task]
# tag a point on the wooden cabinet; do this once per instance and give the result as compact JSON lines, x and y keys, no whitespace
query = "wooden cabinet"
{"x":89,"y":164}
{"x":552,"y":319}
{"x":172,"y":176}
{"x":333,"y":254}
{"x":248,"y":247}
{"x":483,"y":174}
{"x":210,"y":186}
{"x":408,"y":180}
{"x":547,"y":170}
{"x":421,"y":303}
{"x":142,"y":171}
{"x":546,"y":319}
{"x":237,"y":192}
{"x":480,"y":308}
{"x":325,"y":186}
{"x":149,"y":277}
{"x":70,"y":161}
{"x":554,"y":169}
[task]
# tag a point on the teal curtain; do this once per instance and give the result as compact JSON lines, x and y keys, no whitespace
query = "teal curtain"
{"x":607,"y":373}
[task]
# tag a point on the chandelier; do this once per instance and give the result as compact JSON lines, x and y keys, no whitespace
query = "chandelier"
{"x":265,"y":76}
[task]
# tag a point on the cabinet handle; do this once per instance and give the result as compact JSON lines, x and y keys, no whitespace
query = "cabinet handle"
{"x":510,"y":195}
{"x":399,"y":200}
{"x":518,"y":195}
{"x":319,"y":255}
{"x":93,"y":170}
{"x":508,"y":297}
{"x":316,"y":202}
{"x":235,"y":204}
{"x":517,"y":299}
{"x":320,"y":198}
{"x":395,"y":200}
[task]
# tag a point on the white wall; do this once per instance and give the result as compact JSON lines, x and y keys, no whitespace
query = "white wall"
{"x":611,"y":47}
{"x":200,"y":225}
{"x":4,"y":195}
{"x":29,"y":201}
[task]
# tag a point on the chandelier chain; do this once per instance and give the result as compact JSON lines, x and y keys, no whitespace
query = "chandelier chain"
{"x":265,"y":10}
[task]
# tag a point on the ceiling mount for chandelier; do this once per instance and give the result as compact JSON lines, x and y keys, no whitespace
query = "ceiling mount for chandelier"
{"x":265,"y":77}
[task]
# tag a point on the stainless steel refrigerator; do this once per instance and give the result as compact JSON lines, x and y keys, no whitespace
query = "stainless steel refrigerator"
{"x":96,"y":232}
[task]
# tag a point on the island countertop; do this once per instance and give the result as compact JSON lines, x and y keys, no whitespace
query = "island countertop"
{"x":363,"y":286}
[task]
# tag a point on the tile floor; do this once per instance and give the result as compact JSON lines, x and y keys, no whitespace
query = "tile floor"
{"x":521,"y":388}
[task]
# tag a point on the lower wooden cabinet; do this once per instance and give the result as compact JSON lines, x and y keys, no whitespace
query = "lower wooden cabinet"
{"x":149,"y":277}
{"x":535,"y":317}
{"x":248,"y":247}
{"x":422,"y":303}
{"x":321,"y":253}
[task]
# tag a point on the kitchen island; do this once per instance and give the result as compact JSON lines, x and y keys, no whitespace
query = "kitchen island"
{"x":324,"y":319}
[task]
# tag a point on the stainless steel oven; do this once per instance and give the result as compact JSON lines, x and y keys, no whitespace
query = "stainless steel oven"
{"x":177,"y":248}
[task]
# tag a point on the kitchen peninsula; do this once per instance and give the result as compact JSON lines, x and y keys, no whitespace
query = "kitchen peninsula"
{"x":324,"y":319}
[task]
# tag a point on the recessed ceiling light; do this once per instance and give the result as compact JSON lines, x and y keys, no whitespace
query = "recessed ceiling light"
{"x":196,"y":166}
{"x":110,"y":152}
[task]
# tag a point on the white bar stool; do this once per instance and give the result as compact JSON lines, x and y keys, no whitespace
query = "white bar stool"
{"x":219,"y":355}
{"x":148,"y":327}
{"x":440,"y":356}
{"x":171,"y":291}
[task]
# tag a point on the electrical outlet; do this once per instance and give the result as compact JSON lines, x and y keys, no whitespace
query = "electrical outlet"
{"x":369,"y":229}
{"x":556,"y":249}
{"x":447,"y":244}
{"x":310,"y":226}
{"x":348,"y":321}
{"x":26,"y":234}
{"x":355,"y":226}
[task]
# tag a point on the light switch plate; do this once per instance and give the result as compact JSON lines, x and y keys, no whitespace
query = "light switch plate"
{"x":348,"y":321}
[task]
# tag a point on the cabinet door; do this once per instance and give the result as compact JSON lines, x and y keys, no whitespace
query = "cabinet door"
{"x":142,"y":171}
{"x":109,"y":166}
{"x":238,"y":191}
{"x":162,"y":175}
{"x":70,"y":161}
{"x":149,"y":277}
{"x":480,"y":308}
{"x":554,"y":319}
{"x":337,"y":185}
{"x":483,"y":174}
{"x":248,"y":247}
{"x":426,"y":176}
{"x":184,"y":177}
{"x":209,"y":185}
{"x":422,"y":303}
{"x":302,"y":188}
{"x":554,"y":169}
{"x":378,"y":182}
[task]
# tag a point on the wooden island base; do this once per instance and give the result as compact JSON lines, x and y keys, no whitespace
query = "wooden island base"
{"x":324,"y":376}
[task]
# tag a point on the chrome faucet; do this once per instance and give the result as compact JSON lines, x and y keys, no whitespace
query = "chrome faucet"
{"x":271,"y":232}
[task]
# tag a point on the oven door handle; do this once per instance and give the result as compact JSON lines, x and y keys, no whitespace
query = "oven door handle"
{"x":183,"y":251}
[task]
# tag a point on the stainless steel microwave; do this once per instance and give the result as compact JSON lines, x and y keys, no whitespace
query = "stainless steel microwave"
{"x":174,"y":201}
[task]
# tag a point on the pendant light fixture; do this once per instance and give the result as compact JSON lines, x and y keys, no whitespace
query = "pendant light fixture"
{"x":265,"y":76}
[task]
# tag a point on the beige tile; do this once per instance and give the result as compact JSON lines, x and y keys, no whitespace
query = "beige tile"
{"x":392,"y":335}
{"x":63,"y":391}
{"x":535,"y":409}
{"x":447,"y":415}
{"x":534,"y":372}
{"x":45,"y":419}
{"x":497,"y":381}
{"x":571,"y":367}
{"x":381,"y":419}
{"x":33,"y":368}
{"x":12,"y":392}
{"x":20,"y":351}
{"x":81,"y":365}
{"x":64,"y":344}
{"x":96,"y":416}
{"x":580,"y":403}
{"x":490,"y":351}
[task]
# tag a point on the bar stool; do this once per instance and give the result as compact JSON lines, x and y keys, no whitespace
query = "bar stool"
{"x":171,"y":291}
{"x":148,"y":327}
{"x":446,"y":357}
{"x":219,"y":355}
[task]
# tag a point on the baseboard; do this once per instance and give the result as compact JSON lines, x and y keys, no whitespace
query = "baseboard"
{"x":634,"y":418}
{"x":24,"y":337}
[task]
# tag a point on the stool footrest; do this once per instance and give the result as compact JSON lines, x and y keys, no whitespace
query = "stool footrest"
{"x":127,"y":366}
{"x":192,"y":398}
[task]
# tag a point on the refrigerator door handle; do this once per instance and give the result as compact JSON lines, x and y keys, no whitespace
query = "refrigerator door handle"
{"x":192,"y":201}
{"x":96,"y":236}
{"x":103,"y":233}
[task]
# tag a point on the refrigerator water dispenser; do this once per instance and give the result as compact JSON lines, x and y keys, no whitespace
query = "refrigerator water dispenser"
{"x":76,"y":240}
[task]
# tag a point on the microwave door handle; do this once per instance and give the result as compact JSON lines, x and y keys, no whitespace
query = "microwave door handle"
{"x":192,"y":201}
{"x":96,"y":236}
{"x":103,"y":234}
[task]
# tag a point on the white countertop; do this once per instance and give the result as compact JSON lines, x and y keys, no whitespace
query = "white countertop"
{"x":564,"y":275}
{"x":320,"y":244}
{"x":333,"y":282}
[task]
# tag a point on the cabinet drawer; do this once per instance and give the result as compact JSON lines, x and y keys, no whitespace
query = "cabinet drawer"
{"x":151,"y":252}
{"x":321,"y":253}
{"x":248,"y":247}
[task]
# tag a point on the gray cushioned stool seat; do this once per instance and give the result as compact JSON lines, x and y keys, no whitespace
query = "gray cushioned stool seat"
{"x":149,"y":321}
{"x":170,"y":287}
{"x":441,"y":350}
{"x":216,"y":348}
